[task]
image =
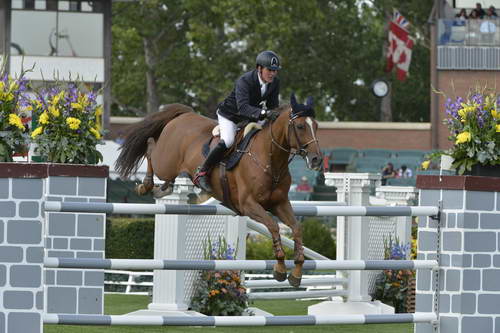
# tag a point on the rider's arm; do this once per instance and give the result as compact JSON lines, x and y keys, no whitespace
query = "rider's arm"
{"x":242,"y":91}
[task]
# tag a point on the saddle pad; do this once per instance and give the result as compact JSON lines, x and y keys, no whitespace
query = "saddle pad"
{"x":231,"y":161}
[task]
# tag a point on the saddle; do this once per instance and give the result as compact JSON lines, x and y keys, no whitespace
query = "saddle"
{"x":232,"y":156}
{"x":241,"y":141}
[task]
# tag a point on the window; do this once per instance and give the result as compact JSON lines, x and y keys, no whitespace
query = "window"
{"x":61,"y":5}
{"x":76,"y":34}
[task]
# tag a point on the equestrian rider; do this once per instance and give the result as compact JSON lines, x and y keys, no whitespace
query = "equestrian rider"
{"x":252,"y":99}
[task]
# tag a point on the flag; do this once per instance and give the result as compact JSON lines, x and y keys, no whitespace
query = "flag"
{"x":400,"y":46}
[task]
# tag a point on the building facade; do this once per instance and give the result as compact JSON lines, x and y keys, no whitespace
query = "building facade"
{"x":61,"y":40}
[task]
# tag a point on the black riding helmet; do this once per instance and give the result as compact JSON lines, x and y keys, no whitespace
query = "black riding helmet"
{"x":268,"y":59}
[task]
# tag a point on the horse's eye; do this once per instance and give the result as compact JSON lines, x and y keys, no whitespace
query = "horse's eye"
{"x":300,"y":126}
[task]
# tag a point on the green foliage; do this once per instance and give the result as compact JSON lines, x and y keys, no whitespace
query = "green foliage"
{"x":69,"y":124}
{"x":261,"y":248}
{"x":392,"y":285}
{"x":130,"y":238}
{"x":219,"y":293}
{"x":318,"y":237}
{"x":327,"y":49}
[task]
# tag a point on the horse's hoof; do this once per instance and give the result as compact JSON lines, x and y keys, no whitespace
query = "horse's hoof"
{"x":278,"y":276}
{"x":294,"y":281}
{"x":159,"y":193}
{"x":140,"y":189}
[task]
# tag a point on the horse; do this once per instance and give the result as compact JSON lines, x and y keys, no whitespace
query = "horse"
{"x":171,"y":141}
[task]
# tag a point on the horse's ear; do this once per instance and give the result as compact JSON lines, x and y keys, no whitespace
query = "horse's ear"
{"x":309,"y":101}
{"x":293,"y":100}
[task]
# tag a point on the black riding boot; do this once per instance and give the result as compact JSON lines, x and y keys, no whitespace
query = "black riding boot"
{"x":202,"y":176}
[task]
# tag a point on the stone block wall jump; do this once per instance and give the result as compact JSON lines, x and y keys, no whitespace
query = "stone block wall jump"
{"x":24,"y":290}
{"x":469,"y":278}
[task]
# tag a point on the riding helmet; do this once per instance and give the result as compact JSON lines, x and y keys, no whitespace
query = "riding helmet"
{"x":268,"y":59}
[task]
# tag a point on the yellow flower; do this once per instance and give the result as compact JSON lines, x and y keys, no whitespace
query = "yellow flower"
{"x":13,"y":86}
{"x":463,"y":137}
{"x":77,"y":106}
{"x":425,"y":164}
{"x":10,"y":97}
{"x":73,"y":123}
{"x":37,"y":132}
{"x":98,"y":111}
{"x":2,"y":85}
{"x":96,"y":133}
{"x":16,"y":121}
{"x":494,"y":113}
{"x":498,"y":128}
{"x":29,"y":108}
{"x":44,"y":118}
{"x":57,"y":98}
{"x":54,"y":111}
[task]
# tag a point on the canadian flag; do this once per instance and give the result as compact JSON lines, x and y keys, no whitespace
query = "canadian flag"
{"x":400,"y":46}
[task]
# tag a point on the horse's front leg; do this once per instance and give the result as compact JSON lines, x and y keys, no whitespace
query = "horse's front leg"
{"x":259,"y":214}
{"x":285,"y":213}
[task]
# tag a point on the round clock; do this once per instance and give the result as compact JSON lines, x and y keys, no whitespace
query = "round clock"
{"x":380,"y":88}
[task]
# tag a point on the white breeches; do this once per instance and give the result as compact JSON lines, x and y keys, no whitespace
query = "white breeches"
{"x":228,"y":129}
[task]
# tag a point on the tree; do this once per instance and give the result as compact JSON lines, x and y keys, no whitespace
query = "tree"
{"x":192,"y":52}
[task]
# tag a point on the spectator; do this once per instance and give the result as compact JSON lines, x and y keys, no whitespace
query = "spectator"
{"x":388,"y":172}
{"x":405,"y":172}
{"x":478,"y":12}
{"x":304,"y":185}
{"x":491,"y":13}
{"x":462,"y":15}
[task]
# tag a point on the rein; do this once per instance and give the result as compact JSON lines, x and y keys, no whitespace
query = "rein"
{"x":301,"y":151}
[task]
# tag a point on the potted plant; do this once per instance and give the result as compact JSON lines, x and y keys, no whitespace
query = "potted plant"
{"x":13,"y":101}
{"x":68,"y":127}
{"x":474,"y":124}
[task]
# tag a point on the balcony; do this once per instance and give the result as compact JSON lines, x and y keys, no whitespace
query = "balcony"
{"x":469,"y":44}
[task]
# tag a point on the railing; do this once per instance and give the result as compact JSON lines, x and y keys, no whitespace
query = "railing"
{"x":472,"y":32}
{"x":316,"y":286}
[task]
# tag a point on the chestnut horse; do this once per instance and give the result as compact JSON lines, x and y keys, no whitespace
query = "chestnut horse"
{"x":172,"y":141}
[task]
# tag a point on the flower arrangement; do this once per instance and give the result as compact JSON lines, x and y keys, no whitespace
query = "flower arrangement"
{"x":68,"y":125}
{"x":474,"y":124}
{"x":219,"y":293}
{"x":13,"y":99}
{"x":392,"y":285}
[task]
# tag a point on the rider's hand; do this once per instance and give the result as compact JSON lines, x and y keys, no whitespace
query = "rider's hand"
{"x":272,"y":115}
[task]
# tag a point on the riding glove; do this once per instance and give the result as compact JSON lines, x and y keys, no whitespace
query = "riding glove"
{"x":272,"y":115}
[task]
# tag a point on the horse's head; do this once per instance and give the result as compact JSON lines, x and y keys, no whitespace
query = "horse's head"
{"x":302,"y":132}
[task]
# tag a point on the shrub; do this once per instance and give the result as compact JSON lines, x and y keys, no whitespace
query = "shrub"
{"x":317,"y":237}
{"x":130,"y":238}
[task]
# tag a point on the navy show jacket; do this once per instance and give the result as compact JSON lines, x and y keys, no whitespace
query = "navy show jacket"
{"x":243,"y":103}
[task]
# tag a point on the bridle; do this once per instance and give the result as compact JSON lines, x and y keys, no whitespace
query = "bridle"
{"x":301,"y":150}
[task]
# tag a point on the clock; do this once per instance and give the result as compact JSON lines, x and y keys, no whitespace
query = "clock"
{"x":380,"y":88}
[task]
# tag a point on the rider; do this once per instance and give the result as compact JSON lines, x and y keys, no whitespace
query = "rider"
{"x":245,"y":103}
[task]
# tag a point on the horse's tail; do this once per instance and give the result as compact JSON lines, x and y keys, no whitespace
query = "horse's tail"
{"x":135,"y":146}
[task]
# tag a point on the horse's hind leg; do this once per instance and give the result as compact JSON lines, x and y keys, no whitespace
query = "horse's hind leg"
{"x":256,"y":212}
{"x":147,"y":183}
{"x":285,"y":213}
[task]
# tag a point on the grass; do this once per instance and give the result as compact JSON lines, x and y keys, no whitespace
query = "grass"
{"x":121,"y":304}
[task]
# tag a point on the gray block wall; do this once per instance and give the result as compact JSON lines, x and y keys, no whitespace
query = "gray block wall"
{"x":21,"y":255}
{"x":75,"y":235}
{"x":469,"y":278}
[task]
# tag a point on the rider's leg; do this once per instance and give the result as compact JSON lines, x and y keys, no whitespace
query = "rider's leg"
{"x":227,"y":133}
